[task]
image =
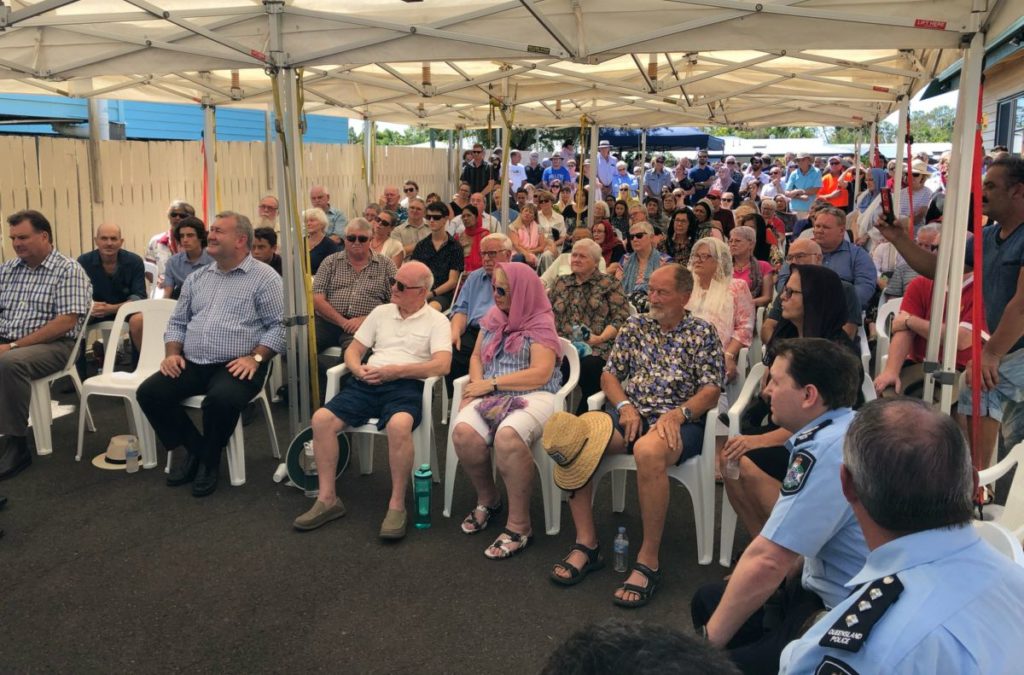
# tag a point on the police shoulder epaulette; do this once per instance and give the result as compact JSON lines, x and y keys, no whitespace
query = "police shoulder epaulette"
{"x":851,"y":630}
{"x":808,"y":435}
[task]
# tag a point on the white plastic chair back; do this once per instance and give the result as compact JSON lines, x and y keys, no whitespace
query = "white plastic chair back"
{"x":155,"y":315}
{"x":883,"y":323}
{"x":1001,"y":539}
{"x":1011,"y":515}
{"x":151,"y":275}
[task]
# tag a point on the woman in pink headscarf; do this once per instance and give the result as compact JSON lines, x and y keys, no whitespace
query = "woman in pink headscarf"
{"x":513,"y":377}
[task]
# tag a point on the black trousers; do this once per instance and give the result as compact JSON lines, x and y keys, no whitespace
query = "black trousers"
{"x":160,"y":398}
{"x":460,"y":356}
{"x":758,"y":644}
{"x":591,"y":368}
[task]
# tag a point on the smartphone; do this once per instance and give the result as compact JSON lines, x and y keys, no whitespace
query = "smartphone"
{"x":887,"y":213}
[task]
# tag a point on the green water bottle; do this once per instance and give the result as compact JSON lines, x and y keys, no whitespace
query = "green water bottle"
{"x":422,"y":479}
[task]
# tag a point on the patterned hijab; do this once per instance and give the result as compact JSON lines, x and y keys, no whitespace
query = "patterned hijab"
{"x":529,"y":316}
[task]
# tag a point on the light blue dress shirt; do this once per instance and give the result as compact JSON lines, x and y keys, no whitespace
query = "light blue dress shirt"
{"x":813,"y":518}
{"x":961,"y":611}
{"x":475,"y":298}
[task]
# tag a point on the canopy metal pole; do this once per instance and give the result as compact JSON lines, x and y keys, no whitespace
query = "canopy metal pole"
{"x":268,"y":155}
{"x":595,"y":184}
{"x":369,"y":136}
{"x":643,"y":166}
{"x":873,"y":141}
{"x":901,"y":150}
{"x":856,"y":172}
{"x":210,"y":158}
{"x":954,"y":239}
{"x":506,"y":142}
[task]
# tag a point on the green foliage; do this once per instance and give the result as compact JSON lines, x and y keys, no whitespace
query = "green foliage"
{"x":765,"y":132}
{"x":410,"y":136}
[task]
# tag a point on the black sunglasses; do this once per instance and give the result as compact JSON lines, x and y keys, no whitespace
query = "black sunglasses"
{"x":175,"y":214}
{"x":353,"y":238}
{"x":402,"y":287}
{"x":410,"y":189}
{"x":637,"y":235}
{"x":434,"y":216}
{"x":385,"y":223}
{"x":500,"y":291}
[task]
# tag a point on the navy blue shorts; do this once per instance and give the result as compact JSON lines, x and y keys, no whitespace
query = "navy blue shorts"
{"x":358,"y":402}
{"x":692,"y":434}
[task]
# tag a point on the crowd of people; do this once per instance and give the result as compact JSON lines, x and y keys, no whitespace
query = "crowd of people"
{"x":659,"y":291}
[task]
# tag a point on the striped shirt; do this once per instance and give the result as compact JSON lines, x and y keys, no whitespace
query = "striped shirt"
{"x":504,"y":363}
{"x":30,"y":298}
{"x":354,"y":293}
{"x":224,"y":315}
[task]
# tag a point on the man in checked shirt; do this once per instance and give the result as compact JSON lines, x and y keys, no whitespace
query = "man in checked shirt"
{"x":219,"y":342}
{"x":44,"y":299}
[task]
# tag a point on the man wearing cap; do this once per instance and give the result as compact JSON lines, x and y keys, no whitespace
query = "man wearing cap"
{"x":702,"y":176}
{"x":480,"y":175}
{"x":664,"y":373}
{"x":556,"y":172}
{"x":516,"y":173}
{"x":933,"y":597}
{"x":753,"y":180}
{"x":803,"y":184}
{"x":657,"y":178}
{"x":605,"y":167}
{"x":833,"y":186}
{"x":535,"y":170}
{"x":768,"y":599}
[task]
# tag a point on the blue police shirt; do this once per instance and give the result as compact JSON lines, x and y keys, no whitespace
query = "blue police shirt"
{"x":812,"y":517}
{"x":475,"y":298}
{"x":958,"y":608}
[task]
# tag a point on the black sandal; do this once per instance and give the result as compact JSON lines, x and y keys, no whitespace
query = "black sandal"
{"x":578,"y":574}
{"x":470,"y":525}
{"x":645,"y":592}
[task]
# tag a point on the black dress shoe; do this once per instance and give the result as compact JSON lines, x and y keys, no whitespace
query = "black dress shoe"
{"x":15,"y":456}
{"x":206,"y":480}
{"x":3,"y":502}
{"x":184,"y":473}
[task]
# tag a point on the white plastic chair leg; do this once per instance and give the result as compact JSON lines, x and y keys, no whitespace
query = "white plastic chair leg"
{"x":450,"y":463}
{"x":363,"y":445}
{"x":81,"y":431}
{"x":728,"y":533}
{"x":619,"y":490}
{"x":78,"y":390}
{"x":236,"y":456}
{"x":39,"y":411}
{"x":552,"y":503}
{"x":270,"y":425}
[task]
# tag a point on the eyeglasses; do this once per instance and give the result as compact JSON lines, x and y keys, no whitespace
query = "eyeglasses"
{"x":788,"y":293}
{"x":659,"y":161}
{"x":797,"y":257}
{"x":268,"y":207}
{"x":434,"y":216}
{"x":637,"y":235}
{"x":353,"y":238}
{"x":727,"y":199}
{"x":478,"y":152}
{"x":403,"y":288}
{"x":491,"y":254}
{"x":543,"y":201}
{"x":500,"y":291}
{"x":410,"y":189}
{"x":175,"y":214}
{"x":701,"y":257}
{"x":384,"y":223}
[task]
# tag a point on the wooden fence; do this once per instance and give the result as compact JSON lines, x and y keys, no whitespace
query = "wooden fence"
{"x":138,"y":179}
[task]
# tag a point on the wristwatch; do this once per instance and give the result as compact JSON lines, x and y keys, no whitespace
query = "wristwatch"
{"x":13,"y":345}
{"x":258,"y":358}
{"x":687,"y":414}
{"x":494,"y":383}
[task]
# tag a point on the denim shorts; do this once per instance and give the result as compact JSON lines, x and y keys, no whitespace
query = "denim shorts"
{"x":692,"y":434}
{"x":1009,"y":390}
{"x":358,"y":402}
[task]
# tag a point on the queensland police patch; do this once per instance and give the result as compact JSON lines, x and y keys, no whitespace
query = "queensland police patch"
{"x":799,"y":468}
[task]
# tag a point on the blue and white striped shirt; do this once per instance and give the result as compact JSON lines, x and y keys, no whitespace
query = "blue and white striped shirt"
{"x":505,"y":363}
{"x":30,"y":298}
{"x":224,"y":315}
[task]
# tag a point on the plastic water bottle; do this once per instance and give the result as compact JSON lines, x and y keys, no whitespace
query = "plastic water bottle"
{"x":312,"y":488}
{"x":732,"y":469}
{"x":422,"y":479}
{"x":131,"y":457}
{"x":621,"y":548}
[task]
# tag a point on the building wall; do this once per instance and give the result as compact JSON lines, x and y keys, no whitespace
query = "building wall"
{"x":138,"y":179}
{"x":1002,"y":81}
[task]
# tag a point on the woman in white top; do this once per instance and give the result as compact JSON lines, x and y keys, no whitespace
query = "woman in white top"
{"x":552,"y":224}
{"x":382,"y":243}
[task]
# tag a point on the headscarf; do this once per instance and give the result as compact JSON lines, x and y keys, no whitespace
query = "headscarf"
{"x":529,"y":315}
{"x":723,"y":180}
{"x":879,"y":177}
{"x":611,"y":240}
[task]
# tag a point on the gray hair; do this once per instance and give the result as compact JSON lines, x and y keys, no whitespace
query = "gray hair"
{"x":836,"y":213}
{"x":720,"y":250}
{"x":243,"y":225}
{"x":930,"y":228}
{"x":588,"y":246}
{"x":506,"y":243}
{"x":317,"y":214}
{"x":643,"y":225}
{"x":910,"y":465}
{"x":359,"y":225}
{"x":621,"y":165}
{"x":602,"y":207}
{"x":746,"y":232}
{"x":682,"y":276}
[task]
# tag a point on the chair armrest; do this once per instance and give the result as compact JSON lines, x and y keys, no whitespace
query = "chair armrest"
{"x":746,"y":395}
{"x":334,"y":376}
{"x":596,"y":401}
{"x":997,"y":471}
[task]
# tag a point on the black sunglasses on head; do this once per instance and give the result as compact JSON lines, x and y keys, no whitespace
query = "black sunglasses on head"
{"x":353,"y":238}
{"x":402,"y":287}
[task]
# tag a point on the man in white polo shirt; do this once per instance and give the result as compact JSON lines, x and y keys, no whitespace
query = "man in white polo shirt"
{"x":411,"y":342}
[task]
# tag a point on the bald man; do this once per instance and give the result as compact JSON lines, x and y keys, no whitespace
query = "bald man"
{"x":117,"y":276}
{"x":336,"y":220}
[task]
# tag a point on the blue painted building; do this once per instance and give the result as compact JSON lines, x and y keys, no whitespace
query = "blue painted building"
{"x":156,"y":121}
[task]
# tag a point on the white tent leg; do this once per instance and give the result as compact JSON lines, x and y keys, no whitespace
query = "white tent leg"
{"x":595,"y":184}
{"x":210,"y":143}
{"x":643,"y":166}
{"x":901,"y":152}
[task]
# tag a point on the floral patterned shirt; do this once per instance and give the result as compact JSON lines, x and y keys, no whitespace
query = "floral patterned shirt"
{"x":597,"y":303}
{"x":661,"y":370}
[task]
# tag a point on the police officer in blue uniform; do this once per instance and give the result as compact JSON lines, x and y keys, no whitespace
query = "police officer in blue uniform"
{"x":932,"y":597}
{"x":813,"y":383}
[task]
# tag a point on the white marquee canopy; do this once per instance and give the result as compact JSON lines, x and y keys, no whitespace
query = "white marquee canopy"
{"x":442,"y":63}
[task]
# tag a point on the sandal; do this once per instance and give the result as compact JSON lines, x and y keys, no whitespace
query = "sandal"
{"x":504,"y":544}
{"x":578,"y":574}
{"x":470,"y":525}
{"x":645,"y":592}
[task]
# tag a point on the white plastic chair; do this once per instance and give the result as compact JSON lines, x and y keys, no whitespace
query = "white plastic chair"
{"x":236,"y":444}
{"x":153,"y":288}
{"x":155,"y":314}
{"x":883,"y":323}
{"x":362,"y":437}
{"x":39,"y":408}
{"x":1010,"y":516}
{"x":751,"y":388}
{"x":755,"y":351}
{"x":868,"y":385}
{"x":1001,"y":539}
{"x":697,"y":475}
{"x":551,"y":493}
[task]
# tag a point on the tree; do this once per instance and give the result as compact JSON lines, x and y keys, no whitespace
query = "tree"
{"x":410,"y":136}
{"x":765,"y":132}
{"x":847,"y":135}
